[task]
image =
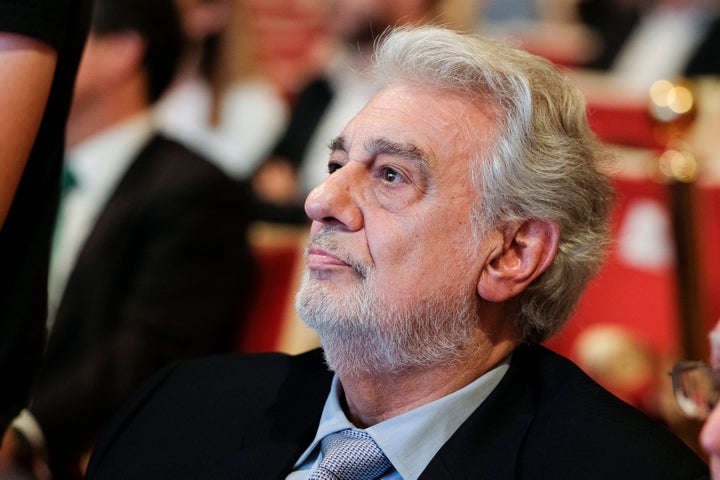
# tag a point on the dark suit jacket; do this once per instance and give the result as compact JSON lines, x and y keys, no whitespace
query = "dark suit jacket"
{"x":252,"y":417}
{"x":163,"y":275}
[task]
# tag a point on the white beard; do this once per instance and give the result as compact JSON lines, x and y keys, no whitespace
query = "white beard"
{"x":366,"y":332}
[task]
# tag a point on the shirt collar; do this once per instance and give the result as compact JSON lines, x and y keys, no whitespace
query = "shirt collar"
{"x":99,"y":162}
{"x":412,"y":439}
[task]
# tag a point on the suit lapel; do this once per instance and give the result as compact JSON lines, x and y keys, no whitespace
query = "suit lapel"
{"x":110,"y":228}
{"x":109,"y":233}
{"x":294,"y":418}
{"x":253,"y":459}
{"x":487,"y":445}
{"x":126,"y":198}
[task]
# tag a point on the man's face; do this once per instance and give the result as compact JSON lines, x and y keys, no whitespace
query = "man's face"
{"x":108,"y":60}
{"x":391,"y":239}
{"x":92,"y":73}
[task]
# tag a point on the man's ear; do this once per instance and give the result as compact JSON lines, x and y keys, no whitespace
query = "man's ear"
{"x":527,"y":251}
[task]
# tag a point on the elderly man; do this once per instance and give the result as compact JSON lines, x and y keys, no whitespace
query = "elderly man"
{"x":463,"y":213}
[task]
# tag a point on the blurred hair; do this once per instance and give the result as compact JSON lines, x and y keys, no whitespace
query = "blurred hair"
{"x":544,"y":162}
{"x":158,"y":23}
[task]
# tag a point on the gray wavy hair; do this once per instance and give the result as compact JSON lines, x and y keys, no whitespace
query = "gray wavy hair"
{"x":544,"y":163}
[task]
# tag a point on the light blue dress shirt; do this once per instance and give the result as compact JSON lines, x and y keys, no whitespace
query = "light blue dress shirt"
{"x":410,"y":440}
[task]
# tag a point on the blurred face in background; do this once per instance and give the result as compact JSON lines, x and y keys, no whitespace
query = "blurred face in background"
{"x":710,"y":435}
{"x":95,"y":68}
{"x":362,"y":20}
{"x":202,"y":18}
{"x":108,"y":61}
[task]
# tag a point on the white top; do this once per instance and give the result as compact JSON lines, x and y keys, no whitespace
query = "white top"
{"x":351,"y":91}
{"x":98,"y":164}
{"x":252,"y":117}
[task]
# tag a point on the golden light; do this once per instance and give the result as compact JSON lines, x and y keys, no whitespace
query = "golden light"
{"x":682,"y":100}
{"x":661,"y":93}
{"x":672,"y":106}
{"x":680,"y":165}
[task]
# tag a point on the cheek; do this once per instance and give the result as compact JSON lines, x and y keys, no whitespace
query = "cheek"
{"x":92,"y":75}
{"x":402,"y":255}
{"x":432,"y":255}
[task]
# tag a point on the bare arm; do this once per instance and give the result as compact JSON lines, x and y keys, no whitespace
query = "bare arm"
{"x":27,"y":67}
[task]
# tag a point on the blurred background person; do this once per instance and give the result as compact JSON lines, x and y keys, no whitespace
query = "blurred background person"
{"x":218,"y":104}
{"x":680,"y":32}
{"x":640,"y":42}
{"x":296,"y":163}
{"x":151,"y":262}
{"x":41,"y":43}
{"x":611,"y":21}
{"x":549,"y":28}
{"x":710,"y":435}
{"x":697,"y":392}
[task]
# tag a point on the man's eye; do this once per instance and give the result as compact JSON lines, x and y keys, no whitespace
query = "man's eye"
{"x":333,"y":167}
{"x":391,"y":175}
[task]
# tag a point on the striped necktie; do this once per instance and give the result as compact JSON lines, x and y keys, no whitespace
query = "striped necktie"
{"x":350,"y":455}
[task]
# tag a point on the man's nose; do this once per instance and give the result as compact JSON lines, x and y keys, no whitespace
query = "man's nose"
{"x":335,"y":202}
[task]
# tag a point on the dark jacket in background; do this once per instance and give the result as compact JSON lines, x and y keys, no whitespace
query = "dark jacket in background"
{"x":165,"y":274}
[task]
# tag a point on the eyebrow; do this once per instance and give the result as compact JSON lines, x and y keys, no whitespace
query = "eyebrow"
{"x":408,"y":151}
{"x":384,"y":146}
{"x":337,"y":144}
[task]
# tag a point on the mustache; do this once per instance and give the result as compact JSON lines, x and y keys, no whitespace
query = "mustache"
{"x":327,"y":240}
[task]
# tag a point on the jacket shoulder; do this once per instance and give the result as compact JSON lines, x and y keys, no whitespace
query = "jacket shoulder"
{"x":191,"y":412}
{"x":596,"y":434}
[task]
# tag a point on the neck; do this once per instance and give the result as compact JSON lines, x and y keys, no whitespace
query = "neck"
{"x":373,"y":398}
